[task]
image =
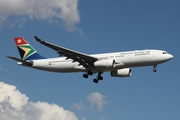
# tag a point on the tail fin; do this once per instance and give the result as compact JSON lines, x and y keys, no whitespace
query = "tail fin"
{"x":26,"y":51}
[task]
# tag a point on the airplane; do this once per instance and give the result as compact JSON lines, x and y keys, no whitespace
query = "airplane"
{"x":119,"y":64}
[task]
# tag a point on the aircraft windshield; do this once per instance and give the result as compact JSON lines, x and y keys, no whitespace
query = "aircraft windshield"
{"x":164,"y":53}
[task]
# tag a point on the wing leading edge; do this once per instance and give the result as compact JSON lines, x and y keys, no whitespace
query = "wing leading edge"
{"x":83,"y":59}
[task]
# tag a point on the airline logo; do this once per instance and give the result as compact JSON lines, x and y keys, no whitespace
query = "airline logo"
{"x":24,"y":48}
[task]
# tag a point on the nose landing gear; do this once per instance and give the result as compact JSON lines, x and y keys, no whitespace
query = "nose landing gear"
{"x":154,"y":69}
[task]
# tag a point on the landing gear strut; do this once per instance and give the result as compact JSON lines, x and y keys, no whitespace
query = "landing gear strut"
{"x":154,"y":69}
{"x":99,"y":77}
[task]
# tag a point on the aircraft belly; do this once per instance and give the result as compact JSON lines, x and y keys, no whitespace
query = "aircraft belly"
{"x":57,"y":66}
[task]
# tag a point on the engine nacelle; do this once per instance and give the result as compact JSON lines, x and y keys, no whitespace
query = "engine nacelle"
{"x":104,"y":64}
{"x":126,"y":72}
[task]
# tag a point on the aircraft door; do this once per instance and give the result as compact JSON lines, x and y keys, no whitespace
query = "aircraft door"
{"x":153,"y":55}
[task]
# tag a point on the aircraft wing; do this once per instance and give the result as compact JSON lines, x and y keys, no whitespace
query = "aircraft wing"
{"x":82,"y":58}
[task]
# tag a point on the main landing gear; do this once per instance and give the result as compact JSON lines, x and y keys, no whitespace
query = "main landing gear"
{"x":99,"y":77}
{"x":154,"y":69}
{"x":88,"y":73}
{"x":96,"y":80}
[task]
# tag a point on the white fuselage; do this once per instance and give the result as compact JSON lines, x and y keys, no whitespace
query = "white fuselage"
{"x":126,"y":59}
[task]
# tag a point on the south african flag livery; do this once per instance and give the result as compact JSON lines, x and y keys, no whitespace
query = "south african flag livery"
{"x":26,"y":51}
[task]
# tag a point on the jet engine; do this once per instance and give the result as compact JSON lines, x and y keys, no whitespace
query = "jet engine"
{"x":104,"y":64}
{"x":126,"y":72}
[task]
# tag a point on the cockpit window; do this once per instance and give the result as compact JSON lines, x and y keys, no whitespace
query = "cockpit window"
{"x":164,"y":53}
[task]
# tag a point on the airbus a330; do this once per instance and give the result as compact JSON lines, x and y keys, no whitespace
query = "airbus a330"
{"x":119,"y":64}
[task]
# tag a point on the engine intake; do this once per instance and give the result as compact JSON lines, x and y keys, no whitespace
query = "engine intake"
{"x":126,"y":72}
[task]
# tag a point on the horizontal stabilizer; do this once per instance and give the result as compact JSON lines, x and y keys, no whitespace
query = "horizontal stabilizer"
{"x":28,"y":63}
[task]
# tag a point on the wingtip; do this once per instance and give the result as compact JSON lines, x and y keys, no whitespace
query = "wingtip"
{"x":37,"y":39}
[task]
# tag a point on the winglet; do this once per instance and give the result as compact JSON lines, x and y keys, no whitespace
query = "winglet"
{"x":38,"y":39}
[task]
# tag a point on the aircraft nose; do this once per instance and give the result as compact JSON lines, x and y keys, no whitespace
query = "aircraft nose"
{"x":170,"y":56}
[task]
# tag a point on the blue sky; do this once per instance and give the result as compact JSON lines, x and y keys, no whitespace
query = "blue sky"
{"x":91,"y":27}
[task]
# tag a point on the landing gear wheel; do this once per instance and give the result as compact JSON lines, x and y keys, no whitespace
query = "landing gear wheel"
{"x":85,"y":75}
{"x":95,"y":80}
{"x":154,"y":70}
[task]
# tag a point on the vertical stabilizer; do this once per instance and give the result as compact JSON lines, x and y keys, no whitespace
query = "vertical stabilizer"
{"x":26,"y":51}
